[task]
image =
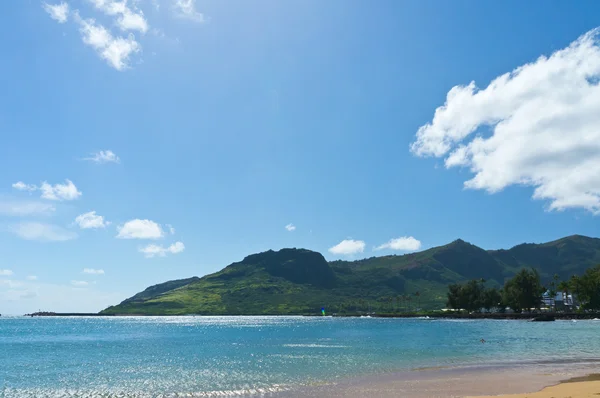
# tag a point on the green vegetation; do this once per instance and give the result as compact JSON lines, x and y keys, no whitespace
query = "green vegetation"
{"x":587,"y":288}
{"x":523,"y":291}
{"x":298,"y":281}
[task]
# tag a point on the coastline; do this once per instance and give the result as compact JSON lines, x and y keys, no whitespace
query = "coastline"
{"x":577,"y":387}
{"x":543,"y":380}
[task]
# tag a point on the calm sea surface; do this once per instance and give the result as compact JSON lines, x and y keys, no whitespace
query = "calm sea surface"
{"x":232,"y":356}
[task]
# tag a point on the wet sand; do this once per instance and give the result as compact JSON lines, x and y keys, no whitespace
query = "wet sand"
{"x":528,"y":381}
{"x":581,"y":389}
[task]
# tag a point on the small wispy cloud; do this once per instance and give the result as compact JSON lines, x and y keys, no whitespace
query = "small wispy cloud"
{"x":79,"y":283}
{"x":21,"y":186}
{"x":171,"y":229}
{"x":187,"y":9}
{"x":93,"y":271}
{"x":58,"y":12}
{"x":41,"y":232}
{"x":290,"y":227}
{"x":161,"y":251}
{"x":32,"y":278}
{"x":25,"y":208}
{"x":107,"y":156}
{"x":6,"y":272}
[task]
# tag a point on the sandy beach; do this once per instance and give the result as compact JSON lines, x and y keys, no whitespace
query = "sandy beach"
{"x":540,"y":381}
{"x":578,"y":387}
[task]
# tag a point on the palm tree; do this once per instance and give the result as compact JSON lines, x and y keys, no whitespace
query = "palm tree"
{"x":564,"y":287}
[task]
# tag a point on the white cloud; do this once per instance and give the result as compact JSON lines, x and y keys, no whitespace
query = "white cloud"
{"x":28,"y":208}
{"x":348,"y":246}
{"x":114,"y":50}
{"x":140,"y":229}
{"x":544,"y":128}
{"x":5,"y":272}
{"x":21,"y":186}
{"x":187,"y":9}
{"x":42,"y":232}
{"x":90,"y":220}
{"x":107,"y":156}
{"x":93,"y":271}
{"x":58,"y":12}
{"x":171,"y":229}
{"x":79,"y":283}
{"x":159,"y":250}
{"x":290,"y":227}
{"x":405,"y":243}
{"x":67,"y":191}
{"x":127,"y":19}
{"x":32,"y":278}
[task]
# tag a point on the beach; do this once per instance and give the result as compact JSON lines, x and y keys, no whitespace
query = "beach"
{"x":538,"y":381}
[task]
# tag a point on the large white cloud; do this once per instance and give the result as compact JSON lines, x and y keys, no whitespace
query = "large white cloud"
{"x":348,"y":246}
{"x":42,"y":232}
{"x":159,"y":250}
{"x":544,"y":128}
{"x":91,"y":220}
{"x":404,"y":243}
{"x":140,"y":229}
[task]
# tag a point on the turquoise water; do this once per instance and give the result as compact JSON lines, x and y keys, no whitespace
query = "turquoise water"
{"x":221,"y":356}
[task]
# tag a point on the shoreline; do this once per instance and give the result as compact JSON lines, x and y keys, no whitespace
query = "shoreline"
{"x":496,"y":316}
{"x":523,"y":380}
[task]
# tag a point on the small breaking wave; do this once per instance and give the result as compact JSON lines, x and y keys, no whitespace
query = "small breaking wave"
{"x":79,"y":393}
{"x":315,"y":346}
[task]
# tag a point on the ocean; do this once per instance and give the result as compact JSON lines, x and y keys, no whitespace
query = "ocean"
{"x":239,"y":356}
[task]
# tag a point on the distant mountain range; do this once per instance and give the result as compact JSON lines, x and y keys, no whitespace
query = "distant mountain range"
{"x":300,"y":281}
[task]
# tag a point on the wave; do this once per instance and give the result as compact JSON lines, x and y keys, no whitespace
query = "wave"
{"x":315,"y":346}
{"x":74,"y":393}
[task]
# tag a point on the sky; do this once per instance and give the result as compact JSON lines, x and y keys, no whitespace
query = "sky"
{"x":150,"y":140}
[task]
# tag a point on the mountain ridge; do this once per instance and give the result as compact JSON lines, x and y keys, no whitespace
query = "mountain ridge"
{"x":300,"y":281}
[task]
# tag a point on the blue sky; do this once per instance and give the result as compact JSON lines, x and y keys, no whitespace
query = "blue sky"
{"x":230,"y":121}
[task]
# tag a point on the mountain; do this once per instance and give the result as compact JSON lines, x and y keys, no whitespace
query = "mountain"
{"x":300,"y":281}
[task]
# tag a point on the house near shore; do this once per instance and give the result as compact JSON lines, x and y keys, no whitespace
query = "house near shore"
{"x":562,"y":301}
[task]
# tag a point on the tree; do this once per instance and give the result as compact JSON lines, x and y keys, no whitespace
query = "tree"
{"x":467,"y":296}
{"x":523,"y":291}
{"x":491,"y":299}
{"x":587,"y":288}
{"x":552,"y":291}
{"x":564,"y":287}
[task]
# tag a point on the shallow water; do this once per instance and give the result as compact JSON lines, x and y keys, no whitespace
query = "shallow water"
{"x":233,"y":356}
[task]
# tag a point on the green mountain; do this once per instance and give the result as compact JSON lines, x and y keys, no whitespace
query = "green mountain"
{"x":299,"y":281}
